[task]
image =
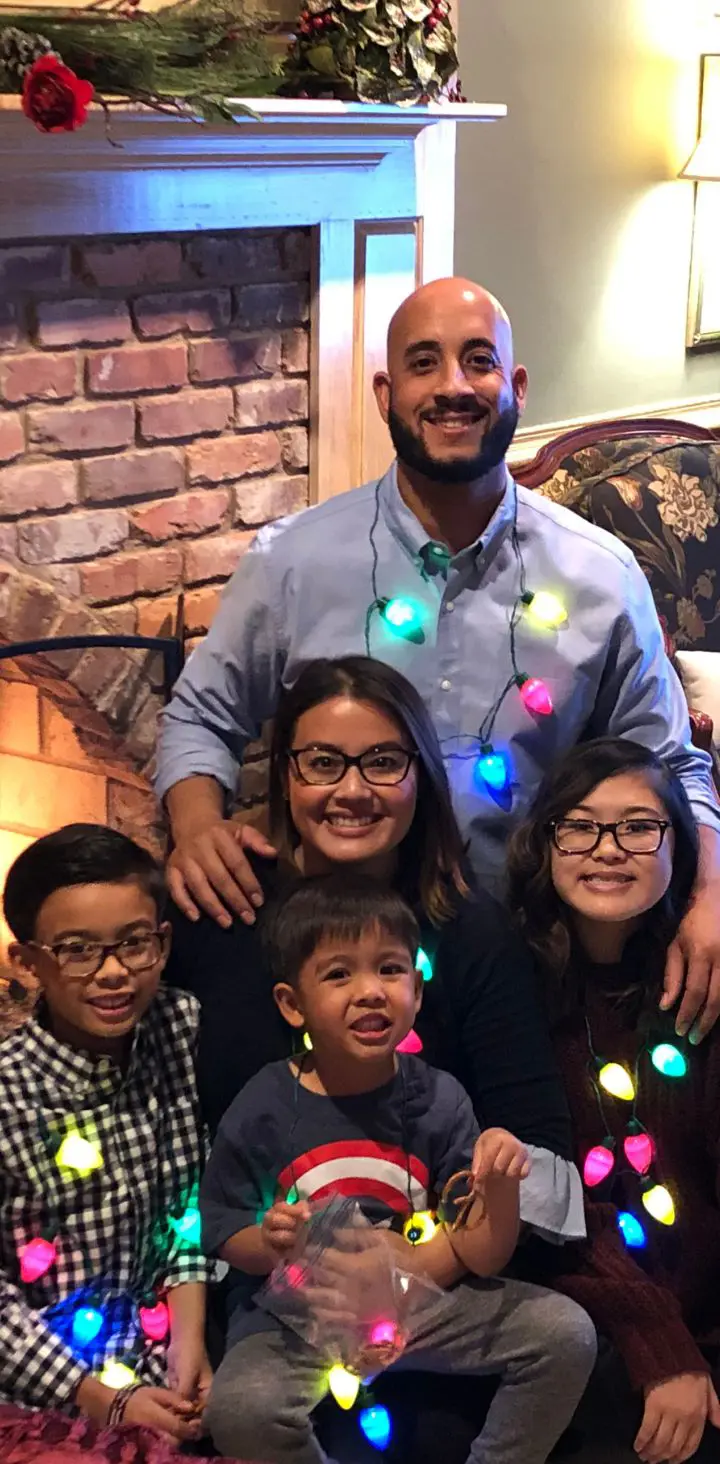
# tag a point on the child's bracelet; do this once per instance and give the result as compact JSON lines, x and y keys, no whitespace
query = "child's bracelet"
{"x":116,"y":1411}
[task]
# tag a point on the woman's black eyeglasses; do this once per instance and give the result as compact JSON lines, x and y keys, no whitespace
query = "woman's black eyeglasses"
{"x":632,"y":835}
{"x":322,"y":767}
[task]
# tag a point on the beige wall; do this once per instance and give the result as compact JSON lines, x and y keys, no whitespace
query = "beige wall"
{"x":568,"y":210}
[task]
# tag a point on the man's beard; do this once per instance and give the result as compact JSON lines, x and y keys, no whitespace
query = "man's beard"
{"x":412,"y":452}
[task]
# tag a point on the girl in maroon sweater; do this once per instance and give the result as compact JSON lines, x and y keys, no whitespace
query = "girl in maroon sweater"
{"x":600,"y":877}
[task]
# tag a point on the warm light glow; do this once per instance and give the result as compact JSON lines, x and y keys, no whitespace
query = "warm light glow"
{"x":616,"y":1080}
{"x":546,"y":609}
{"x":79,"y":1155}
{"x":704,"y":164}
{"x":629,"y":323}
{"x":411,"y":1043}
{"x":420,"y":1227}
{"x":343,"y":1385}
{"x":668,"y":1060}
{"x":659,"y":1203}
{"x":117,"y":1375}
{"x":599,"y":1163}
{"x":639,"y":1151}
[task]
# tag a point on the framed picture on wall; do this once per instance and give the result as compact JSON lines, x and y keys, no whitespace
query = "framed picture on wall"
{"x":703,"y":325}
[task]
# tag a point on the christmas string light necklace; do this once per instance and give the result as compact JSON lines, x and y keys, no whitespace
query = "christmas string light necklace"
{"x":403,"y":619}
{"x":639,"y":1149}
{"x":78,"y":1157}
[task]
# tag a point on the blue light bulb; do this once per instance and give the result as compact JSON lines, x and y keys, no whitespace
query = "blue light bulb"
{"x":87,"y":1322}
{"x":492,"y":768}
{"x":376,"y":1426}
{"x":631,"y":1230}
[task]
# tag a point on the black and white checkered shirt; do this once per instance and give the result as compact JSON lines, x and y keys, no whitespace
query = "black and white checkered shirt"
{"x":113,"y":1229}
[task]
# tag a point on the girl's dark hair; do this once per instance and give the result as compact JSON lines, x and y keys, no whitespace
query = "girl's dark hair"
{"x":543,"y":917}
{"x":432,"y":873}
{"x":78,"y":854}
{"x":332,"y":907}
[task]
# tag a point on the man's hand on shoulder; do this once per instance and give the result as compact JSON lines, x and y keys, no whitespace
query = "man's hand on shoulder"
{"x":692,"y":969}
{"x":209,"y":871}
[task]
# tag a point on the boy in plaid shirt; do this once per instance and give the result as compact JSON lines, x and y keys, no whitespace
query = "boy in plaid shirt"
{"x":102,"y":1282}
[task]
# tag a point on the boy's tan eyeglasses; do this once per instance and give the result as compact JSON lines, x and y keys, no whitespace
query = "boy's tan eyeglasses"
{"x":85,"y":958}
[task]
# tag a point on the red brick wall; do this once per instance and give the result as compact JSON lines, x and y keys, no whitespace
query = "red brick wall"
{"x":154,"y":412}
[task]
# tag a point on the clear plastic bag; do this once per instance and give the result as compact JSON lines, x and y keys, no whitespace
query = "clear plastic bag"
{"x":346,"y":1293}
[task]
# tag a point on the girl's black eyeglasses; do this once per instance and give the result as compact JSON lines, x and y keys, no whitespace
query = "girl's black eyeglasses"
{"x":632,"y":835}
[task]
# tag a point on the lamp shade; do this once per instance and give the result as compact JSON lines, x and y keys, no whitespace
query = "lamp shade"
{"x":704,"y":164}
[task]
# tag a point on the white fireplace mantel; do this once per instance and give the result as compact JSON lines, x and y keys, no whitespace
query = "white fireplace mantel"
{"x":375,"y":183}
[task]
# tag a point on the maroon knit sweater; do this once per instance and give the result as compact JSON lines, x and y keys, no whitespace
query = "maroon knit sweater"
{"x":653,"y":1304}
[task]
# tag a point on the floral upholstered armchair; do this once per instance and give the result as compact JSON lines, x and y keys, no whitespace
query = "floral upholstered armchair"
{"x":655,"y":484}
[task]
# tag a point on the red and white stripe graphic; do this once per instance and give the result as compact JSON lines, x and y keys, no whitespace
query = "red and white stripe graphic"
{"x":361,"y":1169}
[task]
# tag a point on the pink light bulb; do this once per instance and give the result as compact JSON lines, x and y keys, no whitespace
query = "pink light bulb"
{"x":384,"y":1334}
{"x":155,"y":1321}
{"x":36,"y":1258}
{"x":536,"y":696}
{"x":294,"y":1275}
{"x":411,"y":1043}
{"x":639,"y":1151}
{"x":598,"y":1165}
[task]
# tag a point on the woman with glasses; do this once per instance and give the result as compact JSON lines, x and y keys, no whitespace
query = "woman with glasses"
{"x":600,"y":878}
{"x":357,"y":780}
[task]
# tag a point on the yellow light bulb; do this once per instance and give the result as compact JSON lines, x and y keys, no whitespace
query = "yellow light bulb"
{"x":616,"y":1080}
{"x":79,"y":1154}
{"x":659,"y":1203}
{"x":343,"y":1385}
{"x":117,"y":1375}
{"x":547,"y":609}
{"x":420,"y":1227}
{"x":307,"y":1042}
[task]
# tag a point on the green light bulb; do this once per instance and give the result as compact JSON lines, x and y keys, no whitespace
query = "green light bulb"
{"x":423,"y":964}
{"x":402,"y":618}
{"x":668,"y":1060}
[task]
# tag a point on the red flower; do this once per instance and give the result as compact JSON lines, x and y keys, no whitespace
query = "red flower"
{"x":54,"y":98}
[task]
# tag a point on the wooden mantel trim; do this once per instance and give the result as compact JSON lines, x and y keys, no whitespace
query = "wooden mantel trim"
{"x":375,"y":184}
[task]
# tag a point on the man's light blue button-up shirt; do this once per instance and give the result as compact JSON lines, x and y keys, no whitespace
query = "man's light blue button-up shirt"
{"x":303,"y":590}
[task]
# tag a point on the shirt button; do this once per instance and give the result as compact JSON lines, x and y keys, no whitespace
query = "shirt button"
{"x":445,"y":685}
{"x":449,"y":607}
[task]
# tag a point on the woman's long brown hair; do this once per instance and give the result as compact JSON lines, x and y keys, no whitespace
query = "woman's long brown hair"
{"x":432,"y":870}
{"x":543,"y":917}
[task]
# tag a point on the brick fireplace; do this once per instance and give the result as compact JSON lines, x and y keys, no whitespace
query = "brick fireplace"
{"x":155,"y":413}
{"x":187,"y":327}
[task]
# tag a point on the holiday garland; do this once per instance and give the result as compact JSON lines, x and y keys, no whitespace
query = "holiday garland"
{"x":191,"y":57}
{"x":400,"y":51}
{"x":186,"y":60}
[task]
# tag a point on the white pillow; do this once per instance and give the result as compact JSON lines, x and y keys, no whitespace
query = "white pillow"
{"x":700,"y":673}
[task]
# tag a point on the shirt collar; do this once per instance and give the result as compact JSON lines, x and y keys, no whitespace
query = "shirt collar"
{"x":407,"y":530}
{"x":69,"y":1066}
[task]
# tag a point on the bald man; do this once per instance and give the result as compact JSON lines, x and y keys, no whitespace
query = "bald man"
{"x":431,"y":569}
